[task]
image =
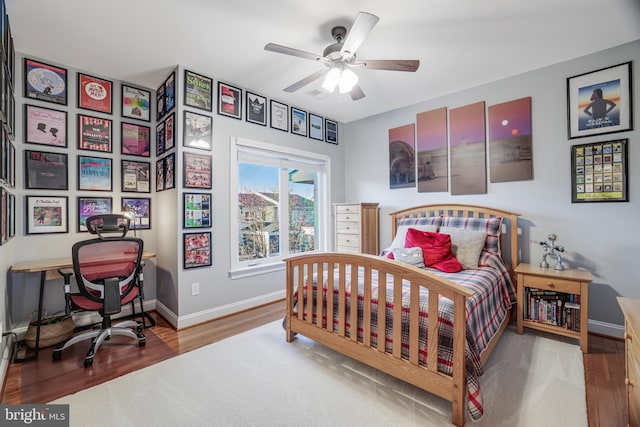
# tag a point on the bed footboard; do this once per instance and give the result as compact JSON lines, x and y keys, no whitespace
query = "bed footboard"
{"x":313,"y":317}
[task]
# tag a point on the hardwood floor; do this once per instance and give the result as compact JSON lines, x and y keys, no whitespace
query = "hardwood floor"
{"x":43,"y":380}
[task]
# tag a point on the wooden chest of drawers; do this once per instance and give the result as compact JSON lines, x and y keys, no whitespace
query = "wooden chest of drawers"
{"x":356,"y":228}
{"x":631,"y":309}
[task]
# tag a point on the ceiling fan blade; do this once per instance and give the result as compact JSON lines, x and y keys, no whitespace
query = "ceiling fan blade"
{"x":301,"y":83}
{"x":390,"y":64}
{"x":293,"y":52}
{"x":356,"y":93}
{"x":359,"y":31}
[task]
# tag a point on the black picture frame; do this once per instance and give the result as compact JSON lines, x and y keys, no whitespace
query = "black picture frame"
{"x":597,"y":90}
{"x":45,"y":82}
{"x":197,"y":170}
{"x":197,"y":250}
{"x":95,"y":93}
{"x":95,"y":133}
{"x":136,"y":176}
{"x":196,"y":210}
{"x":256,"y":106}
{"x":45,"y":170}
{"x":170,"y":92}
{"x":135,"y":103}
{"x":89,"y":206}
{"x":159,"y":175}
{"x":198,"y":130}
{"x":298,"y":121}
{"x":160,"y":111}
{"x":170,"y":171}
{"x":46,"y":214}
{"x":331,"y":131}
{"x":160,"y":139}
{"x":135,"y":139}
{"x":95,"y":173}
{"x":229,"y":101}
{"x":316,"y":127}
{"x":198,"y":91}
{"x":599,"y":172}
{"x":279,"y":114}
{"x":140,"y":207}
{"x":169,"y":132}
{"x":45,"y":126}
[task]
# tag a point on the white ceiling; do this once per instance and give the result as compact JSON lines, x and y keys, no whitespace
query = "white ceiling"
{"x":460,"y":43}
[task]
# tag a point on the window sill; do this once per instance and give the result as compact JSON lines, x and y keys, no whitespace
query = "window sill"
{"x":256,"y":270}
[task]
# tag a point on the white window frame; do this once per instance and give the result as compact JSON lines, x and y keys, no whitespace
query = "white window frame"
{"x":242,"y":146}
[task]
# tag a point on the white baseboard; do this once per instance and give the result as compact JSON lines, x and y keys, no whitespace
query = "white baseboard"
{"x":604,"y":328}
{"x":214,"y":313}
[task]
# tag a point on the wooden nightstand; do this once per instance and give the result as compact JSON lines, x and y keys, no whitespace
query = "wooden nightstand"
{"x":559,"y":303}
{"x":631,"y":310}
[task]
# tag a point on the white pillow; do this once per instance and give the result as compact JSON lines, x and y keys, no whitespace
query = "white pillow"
{"x":411,"y":256}
{"x":401,"y":233}
{"x":466,"y":245}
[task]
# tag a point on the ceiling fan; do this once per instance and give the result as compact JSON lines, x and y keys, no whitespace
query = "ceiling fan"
{"x":340,"y":57}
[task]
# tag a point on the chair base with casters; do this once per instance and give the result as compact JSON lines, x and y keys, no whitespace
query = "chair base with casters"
{"x":98,"y":336}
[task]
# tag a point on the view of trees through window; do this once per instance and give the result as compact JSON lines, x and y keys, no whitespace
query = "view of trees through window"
{"x":270,"y":226}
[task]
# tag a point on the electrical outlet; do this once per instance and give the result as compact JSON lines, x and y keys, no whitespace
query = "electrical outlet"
{"x":195,"y":288}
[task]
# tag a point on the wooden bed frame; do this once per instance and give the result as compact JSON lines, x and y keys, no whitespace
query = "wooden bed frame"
{"x":453,"y":387}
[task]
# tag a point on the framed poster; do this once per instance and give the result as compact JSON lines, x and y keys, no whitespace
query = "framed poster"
{"x":169,"y":133}
{"x":95,"y":93}
{"x":136,"y":103}
{"x":45,"y":126}
{"x":197,"y":210}
{"x":197,"y":170}
{"x":279,"y":116}
{"x":197,"y":131}
{"x":136,"y":140}
{"x":599,"y":172}
{"x":44,"y":170}
{"x":159,"y":138}
{"x":198,"y":91}
{"x":136,"y":176}
{"x":160,"y":112}
{"x":94,"y":173}
{"x":169,"y":92}
{"x":94,"y":133}
{"x":331,"y":131}
{"x":170,"y":171}
{"x":600,"y":102}
{"x":159,"y":175}
{"x":141,"y":209}
{"x":45,"y":82}
{"x":89,"y":206}
{"x":256,"y":109}
{"x":197,"y":250}
{"x":316,"y":127}
{"x":47,"y":214}
{"x":4,"y":216}
{"x":229,"y":101}
{"x":298,"y":121}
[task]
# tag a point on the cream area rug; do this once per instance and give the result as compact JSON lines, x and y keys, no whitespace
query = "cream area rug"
{"x":258,"y":379}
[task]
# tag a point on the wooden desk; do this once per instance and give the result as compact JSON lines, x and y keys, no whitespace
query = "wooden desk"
{"x":48,"y":269}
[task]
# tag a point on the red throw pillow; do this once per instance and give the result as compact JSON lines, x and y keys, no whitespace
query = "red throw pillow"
{"x":436,"y":249}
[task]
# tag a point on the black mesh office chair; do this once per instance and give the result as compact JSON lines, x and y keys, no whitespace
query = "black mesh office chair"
{"x":108,"y":271}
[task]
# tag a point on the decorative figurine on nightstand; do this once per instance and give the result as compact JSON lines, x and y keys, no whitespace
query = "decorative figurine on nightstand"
{"x":550,"y":248}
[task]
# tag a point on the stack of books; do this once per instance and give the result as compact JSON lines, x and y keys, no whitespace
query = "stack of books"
{"x":553,"y":308}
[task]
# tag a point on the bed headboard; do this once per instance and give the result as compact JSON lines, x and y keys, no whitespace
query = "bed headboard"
{"x":509,"y":220}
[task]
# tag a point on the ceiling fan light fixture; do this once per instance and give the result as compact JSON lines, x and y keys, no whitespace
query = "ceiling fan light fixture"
{"x":348,"y":79}
{"x":332,"y":80}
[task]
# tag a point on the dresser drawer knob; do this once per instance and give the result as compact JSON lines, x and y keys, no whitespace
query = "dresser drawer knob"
{"x":628,"y":336}
{"x":551,"y":285}
{"x":628,"y":382}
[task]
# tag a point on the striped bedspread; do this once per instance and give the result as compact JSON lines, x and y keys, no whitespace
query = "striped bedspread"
{"x":494,"y":294}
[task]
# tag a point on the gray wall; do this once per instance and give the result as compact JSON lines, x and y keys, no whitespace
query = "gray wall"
{"x":601,"y":237}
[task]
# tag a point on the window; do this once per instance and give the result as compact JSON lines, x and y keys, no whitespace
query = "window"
{"x":279,"y":204}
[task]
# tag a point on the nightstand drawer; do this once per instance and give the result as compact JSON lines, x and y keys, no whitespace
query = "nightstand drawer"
{"x":553,"y":284}
{"x":344,"y":217}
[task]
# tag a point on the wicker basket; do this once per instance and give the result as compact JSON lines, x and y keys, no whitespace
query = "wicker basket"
{"x":53,"y":330}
